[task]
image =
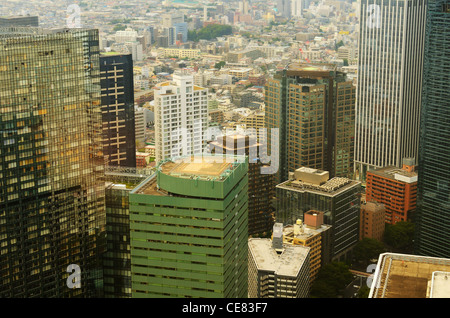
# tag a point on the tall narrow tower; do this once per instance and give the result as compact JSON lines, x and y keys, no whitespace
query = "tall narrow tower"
{"x":389,"y":85}
{"x":119,"y":145}
{"x":181,"y":117}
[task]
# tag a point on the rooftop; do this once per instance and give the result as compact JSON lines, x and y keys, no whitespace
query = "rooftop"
{"x":210,"y":168}
{"x":203,"y":166}
{"x":410,"y":276}
{"x":440,"y":285}
{"x":395,"y":173}
{"x":311,"y":68}
{"x":305,"y":232}
{"x":286,"y":263}
{"x":314,"y":180}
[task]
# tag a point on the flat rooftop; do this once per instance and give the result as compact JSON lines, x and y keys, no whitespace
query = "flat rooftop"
{"x":395,"y":173}
{"x":288,"y":232}
{"x":409,"y":276}
{"x":207,"y":167}
{"x":311,"y":67}
{"x":331,"y":187}
{"x":287,"y":263}
{"x":440,"y":285}
{"x":215,"y":168}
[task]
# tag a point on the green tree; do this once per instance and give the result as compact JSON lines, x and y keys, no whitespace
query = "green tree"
{"x":400,"y":236}
{"x":368,"y":249}
{"x":339,"y":44}
{"x":332,"y":278}
{"x":363,"y":292}
{"x":210,"y":32}
{"x":219,"y":65}
{"x":345,"y":62}
{"x":321,"y":289}
{"x":119,"y":27}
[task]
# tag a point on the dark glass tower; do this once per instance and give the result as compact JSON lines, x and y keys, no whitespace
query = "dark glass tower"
{"x":51,"y":163}
{"x":433,"y":224}
{"x":313,"y":106}
{"x":24,"y":21}
{"x":119,"y":145}
{"x":260,"y":190}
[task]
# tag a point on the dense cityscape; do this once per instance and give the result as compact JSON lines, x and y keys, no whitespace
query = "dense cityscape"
{"x":225,"y":149}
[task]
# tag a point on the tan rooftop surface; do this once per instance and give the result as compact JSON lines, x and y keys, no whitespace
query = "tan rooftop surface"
{"x":406,"y":278}
{"x":306,"y":67}
{"x":185,"y":168}
{"x":204,"y":168}
{"x":390,"y":171}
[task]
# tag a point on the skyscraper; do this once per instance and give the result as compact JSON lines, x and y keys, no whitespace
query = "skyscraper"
{"x":312,"y":105}
{"x":119,"y":146}
{"x":260,"y":186}
{"x":433,"y":224}
{"x":181,"y":117}
{"x":117,"y":259}
{"x":389,"y":88}
{"x":189,"y":229}
{"x":297,"y":8}
{"x":284,"y":8}
{"x":52,"y":211}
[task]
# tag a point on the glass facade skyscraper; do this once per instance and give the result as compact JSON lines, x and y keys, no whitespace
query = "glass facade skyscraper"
{"x":433,"y":223}
{"x":313,"y":106}
{"x":51,"y":162}
{"x":20,"y":21}
{"x":119,"y":144}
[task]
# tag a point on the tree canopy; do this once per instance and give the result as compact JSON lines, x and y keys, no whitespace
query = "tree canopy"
{"x":210,"y":32}
{"x":332,"y":278}
{"x":219,"y":65}
{"x":400,"y":236}
{"x":368,"y":249}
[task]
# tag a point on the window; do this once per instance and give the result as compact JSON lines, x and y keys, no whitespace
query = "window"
{"x":446,"y":7}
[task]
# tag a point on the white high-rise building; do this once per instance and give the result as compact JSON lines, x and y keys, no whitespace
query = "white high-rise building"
{"x":388,"y":96}
{"x":244,"y":7}
{"x":297,"y":7}
{"x":181,"y":117}
{"x":139,"y":122}
{"x":128,"y":35}
{"x":284,"y":8}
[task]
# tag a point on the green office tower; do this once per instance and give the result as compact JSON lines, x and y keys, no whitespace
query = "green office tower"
{"x":51,"y":163}
{"x":433,"y":222}
{"x":189,"y":232}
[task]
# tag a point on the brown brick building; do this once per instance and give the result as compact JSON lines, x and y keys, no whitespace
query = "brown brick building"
{"x":372,"y":222}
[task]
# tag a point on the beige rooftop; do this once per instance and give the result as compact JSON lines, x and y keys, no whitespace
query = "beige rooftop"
{"x":287,"y":263}
{"x":201,"y":166}
{"x":410,"y":276}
